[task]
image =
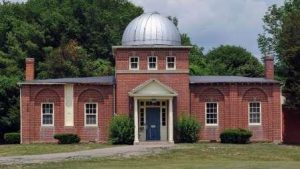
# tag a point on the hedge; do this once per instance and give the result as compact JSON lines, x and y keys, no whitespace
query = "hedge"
{"x":12,"y":138}
{"x":236,"y":136}
{"x":67,"y":138}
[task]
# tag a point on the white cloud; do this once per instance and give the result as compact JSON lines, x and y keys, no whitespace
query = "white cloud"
{"x":210,"y":23}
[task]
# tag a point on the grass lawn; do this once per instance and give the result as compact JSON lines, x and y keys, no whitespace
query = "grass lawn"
{"x":188,"y":156}
{"x":30,"y":149}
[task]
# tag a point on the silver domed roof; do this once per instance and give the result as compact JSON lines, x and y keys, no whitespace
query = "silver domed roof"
{"x":151,"y":29}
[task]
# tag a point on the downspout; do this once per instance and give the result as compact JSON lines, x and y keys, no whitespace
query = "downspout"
{"x":21,"y":136}
{"x":281,"y":114}
{"x":190,"y":107}
{"x":114,"y":99}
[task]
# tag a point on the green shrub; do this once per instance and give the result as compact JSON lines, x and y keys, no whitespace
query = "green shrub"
{"x":12,"y":138}
{"x":236,"y":136}
{"x":187,"y":129}
{"x":67,"y":138}
{"x":121,"y":130}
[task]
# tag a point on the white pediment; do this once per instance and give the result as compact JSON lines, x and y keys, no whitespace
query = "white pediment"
{"x":152,"y":87}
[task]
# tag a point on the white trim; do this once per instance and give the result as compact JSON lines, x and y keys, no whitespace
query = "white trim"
{"x":208,"y":124}
{"x":68,"y":110}
{"x":260,"y":112}
{"x":136,"y":122}
{"x":149,"y":62}
{"x":53,"y":116}
{"x":140,"y":87}
{"x":90,"y":125}
{"x":167,"y":67}
{"x":138,"y":63}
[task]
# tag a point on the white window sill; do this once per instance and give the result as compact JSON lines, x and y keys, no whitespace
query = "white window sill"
{"x":255,"y":124}
{"x":49,"y":126}
{"x":211,"y":125}
{"x":91,"y":126}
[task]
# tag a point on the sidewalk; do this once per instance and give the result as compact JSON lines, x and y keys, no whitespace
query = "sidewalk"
{"x":104,"y":152}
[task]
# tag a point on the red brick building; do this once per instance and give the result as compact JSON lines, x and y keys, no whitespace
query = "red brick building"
{"x":151,"y":84}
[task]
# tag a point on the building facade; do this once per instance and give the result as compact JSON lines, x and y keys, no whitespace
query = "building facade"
{"x":153,"y":86}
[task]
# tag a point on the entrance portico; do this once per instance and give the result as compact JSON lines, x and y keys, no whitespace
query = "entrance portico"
{"x":153,"y":112}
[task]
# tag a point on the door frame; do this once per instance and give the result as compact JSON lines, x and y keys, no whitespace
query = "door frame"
{"x":142,"y":115}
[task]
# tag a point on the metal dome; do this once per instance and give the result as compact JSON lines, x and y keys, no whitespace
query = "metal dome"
{"x":151,"y":29}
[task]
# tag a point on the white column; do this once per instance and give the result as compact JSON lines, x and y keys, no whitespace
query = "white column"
{"x":170,"y":128}
{"x":136,"y":122}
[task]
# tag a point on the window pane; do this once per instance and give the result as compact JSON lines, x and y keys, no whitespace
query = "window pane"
{"x":254,"y":112}
{"x":211,"y":113}
{"x":91,"y":119}
{"x":152,"y":62}
{"x":91,"y":113}
{"x":47,"y":119}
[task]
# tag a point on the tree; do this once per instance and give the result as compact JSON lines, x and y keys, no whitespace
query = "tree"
{"x":71,"y":60}
{"x":233,"y":60}
{"x":45,"y":29}
{"x":282,"y":33}
{"x":289,"y":45}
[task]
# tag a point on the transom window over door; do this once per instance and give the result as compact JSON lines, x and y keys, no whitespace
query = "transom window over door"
{"x":91,"y":114}
{"x":47,"y":114}
{"x":211,"y":109}
{"x":255,"y":113}
{"x":170,"y":63}
{"x":152,"y":63}
{"x":134,"y":63}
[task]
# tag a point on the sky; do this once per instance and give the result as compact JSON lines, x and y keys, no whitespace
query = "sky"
{"x":210,"y":23}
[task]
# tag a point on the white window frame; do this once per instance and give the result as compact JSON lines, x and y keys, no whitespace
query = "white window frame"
{"x":91,"y":125}
{"x":209,"y":124}
{"x":138,"y":63}
{"x":167,"y":65}
{"x":53,"y":110}
{"x":149,"y":63}
{"x":260,"y":112}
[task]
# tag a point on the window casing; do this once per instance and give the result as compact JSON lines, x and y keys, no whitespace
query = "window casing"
{"x":254,"y":113}
{"x":152,"y":63}
{"x":91,"y":114}
{"x":47,"y":111}
{"x":170,"y":63}
{"x":142,"y":116}
{"x":134,"y":63}
{"x":163,"y":116}
{"x":211,"y":113}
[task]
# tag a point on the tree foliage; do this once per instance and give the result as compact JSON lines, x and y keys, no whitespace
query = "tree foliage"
{"x":66,"y":37}
{"x":233,"y":60}
{"x":281,"y":36}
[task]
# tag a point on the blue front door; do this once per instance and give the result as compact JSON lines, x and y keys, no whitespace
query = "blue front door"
{"x":153,"y":124}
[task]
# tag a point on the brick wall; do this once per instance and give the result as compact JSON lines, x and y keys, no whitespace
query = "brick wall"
{"x":178,"y":80}
{"x":122,"y":58}
{"x":233,"y":102}
{"x":34,"y":95}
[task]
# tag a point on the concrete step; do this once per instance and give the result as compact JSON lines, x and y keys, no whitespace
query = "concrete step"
{"x":153,"y":143}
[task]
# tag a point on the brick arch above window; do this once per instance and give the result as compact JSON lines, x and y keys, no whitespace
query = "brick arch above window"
{"x":90,"y":95}
{"x":211,"y":95}
{"x":46,"y":95}
{"x":255,"y":94}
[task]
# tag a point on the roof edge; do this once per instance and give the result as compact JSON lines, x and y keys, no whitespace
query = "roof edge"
{"x":151,"y":47}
